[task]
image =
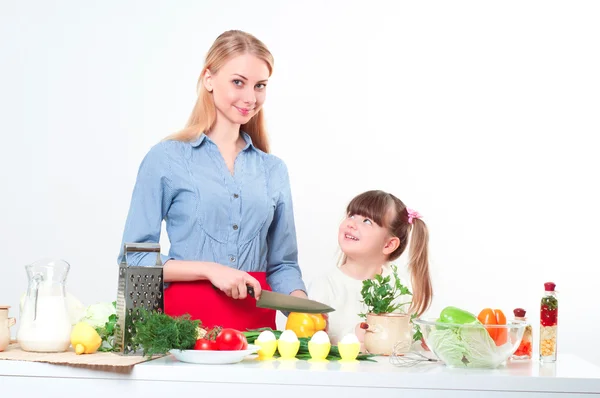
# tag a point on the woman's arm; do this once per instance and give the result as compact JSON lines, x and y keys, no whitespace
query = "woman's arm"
{"x":150,"y":201}
{"x":283,"y":273}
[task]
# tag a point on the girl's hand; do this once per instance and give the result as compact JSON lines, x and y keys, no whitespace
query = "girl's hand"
{"x":360,"y":334}
{"x":233,"y":282}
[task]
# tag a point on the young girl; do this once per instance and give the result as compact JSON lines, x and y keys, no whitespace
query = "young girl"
{"x":375,"y":232}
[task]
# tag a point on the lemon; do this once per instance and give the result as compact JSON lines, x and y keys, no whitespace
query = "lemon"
{"x":85,"y":339}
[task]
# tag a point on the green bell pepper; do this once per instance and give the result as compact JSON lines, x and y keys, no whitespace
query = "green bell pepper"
{"x":457,"y":316}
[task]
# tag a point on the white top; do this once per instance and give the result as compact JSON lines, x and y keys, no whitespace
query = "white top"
{"x":570,"y":376}
{"x":342,"y":293}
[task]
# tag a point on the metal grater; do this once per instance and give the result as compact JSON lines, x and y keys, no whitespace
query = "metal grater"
{"x":139,"y":287}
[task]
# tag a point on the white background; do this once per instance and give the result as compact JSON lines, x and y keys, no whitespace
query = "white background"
{"x":480,"y":115}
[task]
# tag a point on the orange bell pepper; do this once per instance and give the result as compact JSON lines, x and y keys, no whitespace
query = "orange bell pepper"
{"x":487,"y":316}
{"x":305,"y":325}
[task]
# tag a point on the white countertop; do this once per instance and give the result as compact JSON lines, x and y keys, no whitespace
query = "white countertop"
{"x":570,"y":374}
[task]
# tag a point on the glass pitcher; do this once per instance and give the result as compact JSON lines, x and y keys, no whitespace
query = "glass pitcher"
{"x":44,"y":322}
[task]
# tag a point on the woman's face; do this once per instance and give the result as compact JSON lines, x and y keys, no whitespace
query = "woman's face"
{"x":239,"y":88}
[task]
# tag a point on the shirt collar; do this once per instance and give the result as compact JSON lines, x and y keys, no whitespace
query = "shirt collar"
{"x":196,"y":143}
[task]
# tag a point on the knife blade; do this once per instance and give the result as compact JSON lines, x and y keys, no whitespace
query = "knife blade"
{"x":284,"y":302}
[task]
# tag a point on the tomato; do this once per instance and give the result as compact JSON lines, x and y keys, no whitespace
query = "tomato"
{"x":205,"y":344}
{"x":231,"y":340}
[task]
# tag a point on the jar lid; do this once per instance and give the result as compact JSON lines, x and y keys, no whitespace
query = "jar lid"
{"x":549,"y":286}
{"x":520,"y":312}
{"x":4,"y":307}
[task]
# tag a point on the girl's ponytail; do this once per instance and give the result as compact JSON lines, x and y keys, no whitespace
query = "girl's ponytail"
{"x":418,"y":265}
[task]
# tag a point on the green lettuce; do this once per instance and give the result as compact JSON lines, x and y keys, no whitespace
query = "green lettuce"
{"x":470,"y":347}
{"x":98,"y":314}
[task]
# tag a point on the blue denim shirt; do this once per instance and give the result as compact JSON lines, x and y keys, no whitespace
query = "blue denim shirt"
{"x":244,"y":220}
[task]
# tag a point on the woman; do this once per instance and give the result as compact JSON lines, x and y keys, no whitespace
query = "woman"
{"x":226,"y":201}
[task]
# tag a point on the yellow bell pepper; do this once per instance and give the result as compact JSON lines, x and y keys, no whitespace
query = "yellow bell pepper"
{"x":305,"y":325}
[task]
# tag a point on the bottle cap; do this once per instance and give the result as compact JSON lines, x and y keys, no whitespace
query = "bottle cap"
{"x":549,"y":286}
{"x":519,"y":312}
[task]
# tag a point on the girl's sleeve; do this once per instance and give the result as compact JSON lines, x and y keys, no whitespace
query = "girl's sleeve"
{"x":150,"y":202}
{"x":344,"y":320}
{"x":319,"y":289}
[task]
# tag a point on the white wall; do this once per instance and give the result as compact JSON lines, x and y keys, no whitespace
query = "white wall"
{"x":480,"y":116}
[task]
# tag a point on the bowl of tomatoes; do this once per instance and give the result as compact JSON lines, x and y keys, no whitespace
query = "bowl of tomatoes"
{"x":218,"y":346}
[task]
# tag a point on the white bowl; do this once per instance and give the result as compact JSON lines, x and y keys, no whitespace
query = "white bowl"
{"x":214,"y":357}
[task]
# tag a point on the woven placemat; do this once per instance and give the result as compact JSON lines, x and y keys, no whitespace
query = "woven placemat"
{"x":99,"y":360}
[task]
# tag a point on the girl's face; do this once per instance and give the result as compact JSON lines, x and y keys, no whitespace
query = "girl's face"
{"x":239,"y":88}
{"x":361,"y":237}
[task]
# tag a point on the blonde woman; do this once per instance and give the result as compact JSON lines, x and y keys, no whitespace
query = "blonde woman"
{"x":226,"y":201}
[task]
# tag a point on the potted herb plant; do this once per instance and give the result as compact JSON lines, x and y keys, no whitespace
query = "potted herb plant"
{"x":388,"y":325}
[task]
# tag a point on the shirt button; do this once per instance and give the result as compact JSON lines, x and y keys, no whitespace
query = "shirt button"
{"x":235,"y":227}
{"x":235,"y":195}
{"x":232,"y":259}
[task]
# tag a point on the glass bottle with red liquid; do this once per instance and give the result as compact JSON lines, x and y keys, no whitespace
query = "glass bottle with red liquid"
{"x":548,"y":323}
{"x":524,"y":350}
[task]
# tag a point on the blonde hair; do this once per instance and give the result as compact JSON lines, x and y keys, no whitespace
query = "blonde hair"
{"x":204,"y":115}
{"x":376,"y":205}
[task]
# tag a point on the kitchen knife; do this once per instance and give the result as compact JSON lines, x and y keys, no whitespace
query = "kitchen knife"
{"x":284,"y":302}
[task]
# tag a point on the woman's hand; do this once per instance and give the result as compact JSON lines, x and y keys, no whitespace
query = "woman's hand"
{"x":232,"y":282}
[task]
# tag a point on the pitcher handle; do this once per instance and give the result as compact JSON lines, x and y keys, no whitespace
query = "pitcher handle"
{"x":35,"y":284}
{"x":11,"y":322}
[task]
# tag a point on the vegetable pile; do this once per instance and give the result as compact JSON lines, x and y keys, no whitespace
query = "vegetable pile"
{"x":473,"y":346}
{"x":222,"y":339}
{"x":159,"y":333}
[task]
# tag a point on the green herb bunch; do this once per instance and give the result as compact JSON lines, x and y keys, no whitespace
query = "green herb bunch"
{"x":157,"y":333}
{"x":379,"y":294}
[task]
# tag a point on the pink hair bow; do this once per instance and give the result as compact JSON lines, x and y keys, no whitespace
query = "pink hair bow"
{"x":412,"y":214}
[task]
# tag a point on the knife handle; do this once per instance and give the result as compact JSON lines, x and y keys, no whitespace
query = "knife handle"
{"x":250,"y":290}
